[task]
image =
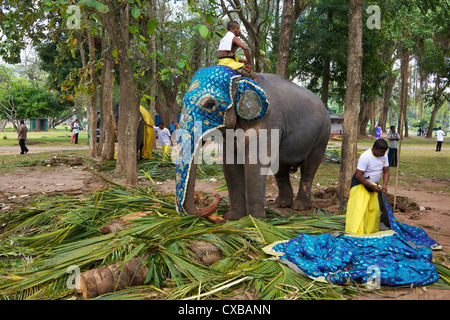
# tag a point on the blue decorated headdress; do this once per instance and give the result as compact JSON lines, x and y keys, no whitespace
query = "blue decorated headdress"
{"x":212,"y":92}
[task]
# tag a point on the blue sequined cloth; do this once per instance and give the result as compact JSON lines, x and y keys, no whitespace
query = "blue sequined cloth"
{"x":209,"y":96}
{"x":401,"y":256}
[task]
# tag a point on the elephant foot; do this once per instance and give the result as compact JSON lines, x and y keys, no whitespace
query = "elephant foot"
{"x":283,"y":203}
{"x":259,"y":215}
{"x":233,"y":215}
{"x":301,"y":205}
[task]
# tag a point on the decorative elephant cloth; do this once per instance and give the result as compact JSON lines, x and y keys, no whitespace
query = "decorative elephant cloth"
{"x":212,"y":92}
{"x":400,"y":256}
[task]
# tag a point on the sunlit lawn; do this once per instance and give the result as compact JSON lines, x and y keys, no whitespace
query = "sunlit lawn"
{"x":418,"y":160}
{"x":58,"y":137}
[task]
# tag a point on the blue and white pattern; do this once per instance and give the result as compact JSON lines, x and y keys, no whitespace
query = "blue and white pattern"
{"x":402,"y":255}
{"x":197,"y":119}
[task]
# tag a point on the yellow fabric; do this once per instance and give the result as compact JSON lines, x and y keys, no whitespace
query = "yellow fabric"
{"x":363,"y":211}
{"x":165,"y":153}
{"x":149,"y":134}
{"x":233,"y":63}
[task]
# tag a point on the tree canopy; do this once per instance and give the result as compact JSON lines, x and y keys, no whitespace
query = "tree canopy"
{"x":92,"y":50}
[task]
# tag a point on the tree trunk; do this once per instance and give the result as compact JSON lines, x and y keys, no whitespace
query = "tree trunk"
{"x":325,"y":81}
{"x":167,"y":106}
{"x":326,"y":68}
{"x":116,"y":24}
{"x":352,"y":98}
{"x":364,"y":117}
{"x":437,"y":106}
{"x":289,"y":15}
{"x":387,"y":93}
{"x":113,"y":278}
{"x":92,"y":107}
{"x":403,"y":90}
{"x":107,"y":114}
{"x":153,"y":61}
{"x":285,"y":39}
{"x":101,"y":139}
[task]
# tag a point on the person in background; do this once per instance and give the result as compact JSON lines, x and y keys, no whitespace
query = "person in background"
{"x":76,"y":130}
{"x":393,"y":138}
{"x":163,"y":138}
{"x":440,"y":139}
{"x":378,"y":131}
{"x":22,"y":137}
{"x":172,"y":127}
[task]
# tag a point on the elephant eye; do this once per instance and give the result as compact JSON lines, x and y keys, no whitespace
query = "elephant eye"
{"x":209,"y":104}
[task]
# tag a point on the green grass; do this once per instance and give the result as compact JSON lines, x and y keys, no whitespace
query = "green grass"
{"x":416,"y":165}
{"x":59,"y":137}
{"x":8,"y":162}
{"x":418,"y":161}
{"x":412,"y":141}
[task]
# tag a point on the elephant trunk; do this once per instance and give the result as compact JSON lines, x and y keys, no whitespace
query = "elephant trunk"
{"x":189,"y":203}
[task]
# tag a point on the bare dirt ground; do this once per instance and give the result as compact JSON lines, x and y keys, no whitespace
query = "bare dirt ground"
{"x":430,"y":212}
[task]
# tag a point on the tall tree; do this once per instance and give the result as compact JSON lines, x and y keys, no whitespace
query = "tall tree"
{"x":107,"y":125}
{"x":116,"y":22}
{"x":290,"y":14}
{"x":352,"y":98}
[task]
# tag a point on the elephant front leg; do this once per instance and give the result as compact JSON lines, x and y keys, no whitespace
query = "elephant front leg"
{"x":235,"y":178}
{"x":255,"y":190}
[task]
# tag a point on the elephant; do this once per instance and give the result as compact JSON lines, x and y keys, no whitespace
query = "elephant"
{"x":220,"y":100}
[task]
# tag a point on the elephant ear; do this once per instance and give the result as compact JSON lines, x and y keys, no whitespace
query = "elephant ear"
{"x":251,"y":101}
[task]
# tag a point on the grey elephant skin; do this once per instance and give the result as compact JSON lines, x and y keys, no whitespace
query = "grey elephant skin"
{"x":303,"y":125}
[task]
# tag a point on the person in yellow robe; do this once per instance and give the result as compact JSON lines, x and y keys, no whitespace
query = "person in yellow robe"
{"x":363,"y":210}
{"x":148,"y":134}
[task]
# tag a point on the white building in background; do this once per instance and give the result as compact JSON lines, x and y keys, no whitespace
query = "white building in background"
{"x":337,"y":123}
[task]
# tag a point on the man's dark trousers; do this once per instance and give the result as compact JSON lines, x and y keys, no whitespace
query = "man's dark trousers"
{"x":23,"y":148}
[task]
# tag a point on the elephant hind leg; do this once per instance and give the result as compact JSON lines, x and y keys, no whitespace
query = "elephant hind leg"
{"x":308,"y":170}
{"x":285,"y":192}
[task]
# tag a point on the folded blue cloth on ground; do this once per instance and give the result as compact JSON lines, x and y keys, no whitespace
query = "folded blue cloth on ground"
{"x":400,"y":256}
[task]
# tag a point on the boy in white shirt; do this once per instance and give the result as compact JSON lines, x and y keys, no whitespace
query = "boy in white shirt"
{"x":363,"y":210}
{"x":227,"y":48}
{"x":440,"y":138}
{"x":164,"y":138}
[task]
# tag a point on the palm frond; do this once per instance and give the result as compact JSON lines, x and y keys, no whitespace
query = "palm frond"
{"x":43,"y":241}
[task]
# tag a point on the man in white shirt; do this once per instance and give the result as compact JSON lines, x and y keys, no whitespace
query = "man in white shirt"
{"x":227,"y":48}
{"x":440,"y":138}
{"x":363,"y":210}
{"x":393,"y":138}
{"x":164,"y":138}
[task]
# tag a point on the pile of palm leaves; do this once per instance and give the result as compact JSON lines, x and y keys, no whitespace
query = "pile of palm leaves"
{"x":41,"y":242}
{"x":164,"y":170}
{"x":40,"y":245}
